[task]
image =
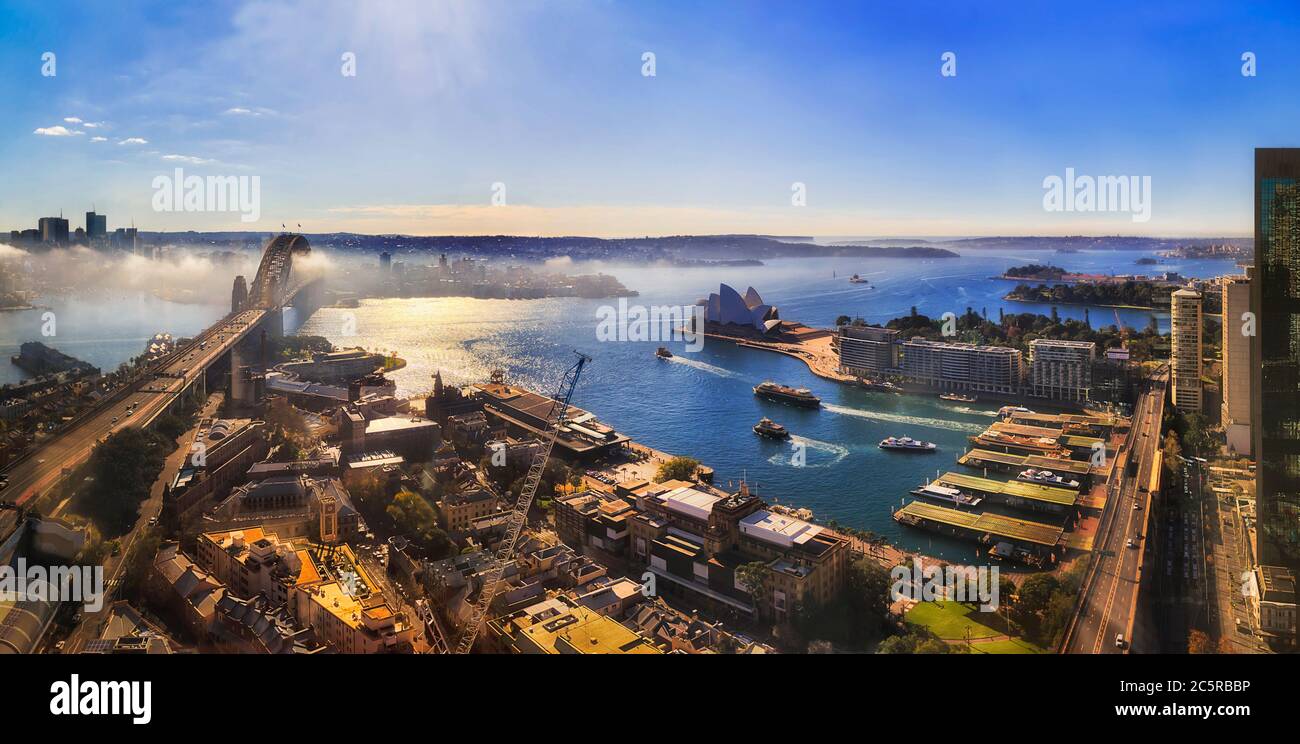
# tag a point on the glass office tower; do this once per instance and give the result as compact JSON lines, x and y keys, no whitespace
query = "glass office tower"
{"x":1275,"y":300}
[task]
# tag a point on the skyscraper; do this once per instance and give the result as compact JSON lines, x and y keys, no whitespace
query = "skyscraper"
{"x":53,"y":230}
{"x":1185,"y":333}
{"x":1237,"y":339}
{"x":96,"y":226}
{"x":1275,"y":300}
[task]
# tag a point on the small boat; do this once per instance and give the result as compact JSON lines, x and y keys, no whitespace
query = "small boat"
{"x":881,"y":385}
{"x":664,"y":353}
{"x":947,"y":494}
{"x":1046,"y":478}
{"x":855,"y":279}
{"x":907,"y":444}
{"x":783,"y":394}
{"x":959,"y":398}
{"x":766,"y":427}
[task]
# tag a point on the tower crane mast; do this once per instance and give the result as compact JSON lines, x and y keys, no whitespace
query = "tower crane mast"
{"x":519,"y":514}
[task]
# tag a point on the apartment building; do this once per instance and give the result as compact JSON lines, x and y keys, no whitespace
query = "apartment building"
{"x":1186,"y":352}
{"x":867,"y":351}
{"x":966,"y":367}
{"x":694,"y":541}
{"x":1238,"y":337}
{"x":1061,"y":370}
{"x":593,"y":518}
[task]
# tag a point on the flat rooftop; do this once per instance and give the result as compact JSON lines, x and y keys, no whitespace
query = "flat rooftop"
{"x":690,"y":501}
{"x":778,"y":528}
{"x":1055,"y":464}
{"x":1026,"y":431}
{"x":396,"y":423}
{"x":993,"y":524}
{"x":1033,"y":491}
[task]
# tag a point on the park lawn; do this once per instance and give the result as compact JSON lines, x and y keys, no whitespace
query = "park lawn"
{"x":949,"y":621}
{"x":1013,"y":646}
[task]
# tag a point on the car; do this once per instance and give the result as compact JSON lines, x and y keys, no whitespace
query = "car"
{"x":1137,"y":506}
{"x":153,"y":521}
{"x":115,"y":419}
{"x":1119,"y":640}
{"x":1132,"y":543}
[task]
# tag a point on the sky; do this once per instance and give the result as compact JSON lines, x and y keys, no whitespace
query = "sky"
{"x":537,"y":118}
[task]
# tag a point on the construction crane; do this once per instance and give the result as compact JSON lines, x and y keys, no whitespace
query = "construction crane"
{"x":519,"y":514}
{"x":1123,"y":330}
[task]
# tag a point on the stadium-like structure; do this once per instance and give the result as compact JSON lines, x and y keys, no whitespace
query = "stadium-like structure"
{"x":728,"y":307}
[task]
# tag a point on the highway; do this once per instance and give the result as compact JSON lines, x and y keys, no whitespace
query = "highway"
{"x":1110,"y":593}
{"x":148,"y":398}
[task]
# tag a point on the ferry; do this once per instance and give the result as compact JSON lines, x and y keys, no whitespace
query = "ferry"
{"x":953,"y":496}
{"x":855,"y":279}
{"x":882,"y":386}
{"x":907,"y":444}
{"x":1046,"y":478}
{"x":959,"y":398}
{"x":783,"y":394}
{"x":766,"y":427}
{"x":664,"y":353}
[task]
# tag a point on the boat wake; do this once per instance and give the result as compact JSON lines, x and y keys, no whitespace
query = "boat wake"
{"x":973,"y":412}
{"x":896,"y":418}
{"x":837,"y":452}
{"x":704,"y":367}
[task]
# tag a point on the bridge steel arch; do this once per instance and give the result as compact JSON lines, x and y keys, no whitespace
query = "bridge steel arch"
{"x":272,"y":279}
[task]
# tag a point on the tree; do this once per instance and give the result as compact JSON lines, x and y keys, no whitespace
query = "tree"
{"x":678,"y":468}
{"x":753,"y":576}
{"x":1199,"y":643}
{"x":414,"y":516}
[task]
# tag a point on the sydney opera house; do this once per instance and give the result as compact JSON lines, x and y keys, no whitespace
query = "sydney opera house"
{"x":728,"y":307}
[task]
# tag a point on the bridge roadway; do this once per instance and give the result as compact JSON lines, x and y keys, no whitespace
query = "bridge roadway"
{"x":148,"y":398}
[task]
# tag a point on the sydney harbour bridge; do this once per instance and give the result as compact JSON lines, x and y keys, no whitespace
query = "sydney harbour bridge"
{"x":183,"y":376}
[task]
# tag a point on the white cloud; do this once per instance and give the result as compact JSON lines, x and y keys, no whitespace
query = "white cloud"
{"x":237,"y":111}
{"x":56,"y":131}
{"x":98,"y":139}
{"x":92,"y":124}
{"x":133,"y":141}
{"x":72,"y":120}
{"x":188,"y":159}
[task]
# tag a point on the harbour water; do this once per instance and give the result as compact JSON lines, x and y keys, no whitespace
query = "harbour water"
{"x":701,"y":404}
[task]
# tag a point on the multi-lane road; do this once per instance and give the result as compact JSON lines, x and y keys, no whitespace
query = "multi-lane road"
{"x":146,"y":398}
{"x":1111,"y":589}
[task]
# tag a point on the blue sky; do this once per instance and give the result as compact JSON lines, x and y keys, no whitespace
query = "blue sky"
{"x":548,"y":99}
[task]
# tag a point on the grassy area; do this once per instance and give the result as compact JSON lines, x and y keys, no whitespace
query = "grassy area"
{"x":950,"y":621}
{"x":1013,"y":646}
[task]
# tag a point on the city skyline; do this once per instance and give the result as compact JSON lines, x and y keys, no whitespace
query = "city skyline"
{"x":547,"y":109}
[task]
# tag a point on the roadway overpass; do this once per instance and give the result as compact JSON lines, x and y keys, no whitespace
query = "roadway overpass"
{"x":1110,"y":588}
{"x":181,"y":376}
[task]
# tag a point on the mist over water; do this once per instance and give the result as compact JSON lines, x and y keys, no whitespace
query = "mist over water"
{"x":698,"y":404}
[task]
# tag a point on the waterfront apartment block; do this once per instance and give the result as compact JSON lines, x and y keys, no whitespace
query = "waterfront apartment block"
{"x":867,"y":351}
{"x":949,"y":366}
{"x":1061,"y":370}
{"x":1275,"y":300}
{"x":1185,"y":356}
{"x":1237,"y":374}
